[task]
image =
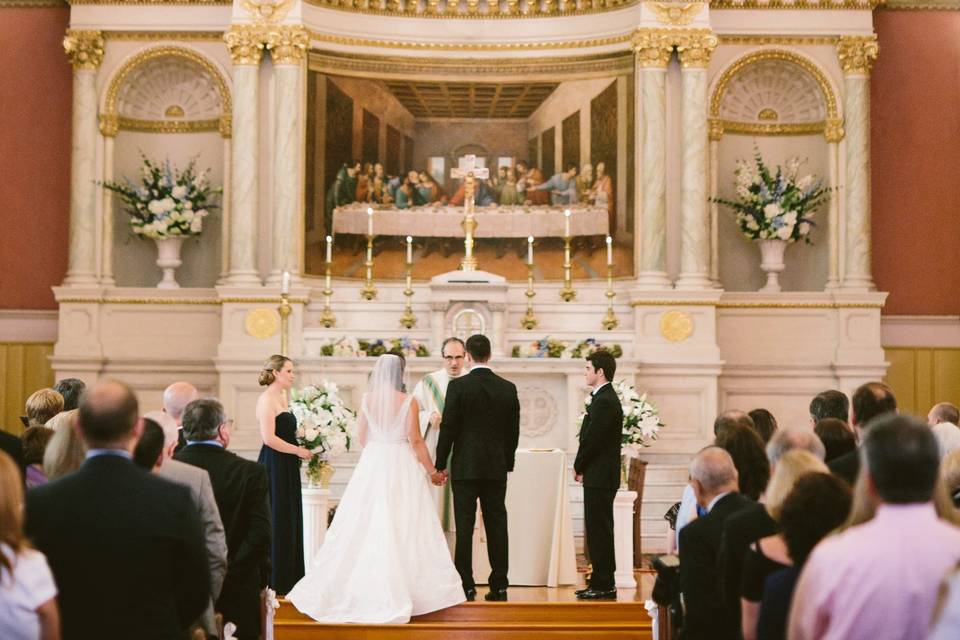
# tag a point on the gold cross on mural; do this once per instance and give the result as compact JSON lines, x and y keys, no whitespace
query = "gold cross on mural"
{"x":468,"y":170}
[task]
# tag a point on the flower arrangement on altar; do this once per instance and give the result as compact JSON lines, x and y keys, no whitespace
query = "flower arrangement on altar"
{"x":349,"y":347}
{"x":167,"y":202}
{"x":551,"y":348}
{"x":775,"y":204}
{"x":325,"y":426}
{"x":641,"y":418}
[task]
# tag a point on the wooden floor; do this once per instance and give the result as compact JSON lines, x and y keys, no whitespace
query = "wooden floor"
{"x":532,"y":613}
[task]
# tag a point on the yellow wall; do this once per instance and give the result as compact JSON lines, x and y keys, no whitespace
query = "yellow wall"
{"x":25,"y":368}
{"x":922,"y":377}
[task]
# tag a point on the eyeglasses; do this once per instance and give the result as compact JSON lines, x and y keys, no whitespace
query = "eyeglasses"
{"x":228,"y":423}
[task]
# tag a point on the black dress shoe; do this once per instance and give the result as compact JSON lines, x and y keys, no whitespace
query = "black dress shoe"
{"x":496,"y":595}
{"x":580,"y":592}
{"x":471,"y":594}
{"x":596,"y":594}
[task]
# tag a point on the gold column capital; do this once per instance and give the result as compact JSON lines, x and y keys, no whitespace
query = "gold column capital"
{"x":833,"y":130}
{"x":695,"y":47}
{"x":857,"y":54}
{"x":84,"y":48}
{"x":287,"y":43}
{"x":714,"y":128}
{"x":653,"y":47}
{"x":245,"y":42}
{"x":109,"y":124}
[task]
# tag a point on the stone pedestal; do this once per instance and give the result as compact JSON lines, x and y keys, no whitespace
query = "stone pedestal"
{"x":623,"y":538}
{"x":316,"y":505}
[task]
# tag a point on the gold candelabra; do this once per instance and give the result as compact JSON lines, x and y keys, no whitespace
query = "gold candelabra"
{"x":529,"y":321}
{"x":327,"y":319}
{"x":369,"y":291}
{"x":568,"y":293}
{"x":610,"y":321}
{"x":285,"y":309}
{"x":408,"y":320}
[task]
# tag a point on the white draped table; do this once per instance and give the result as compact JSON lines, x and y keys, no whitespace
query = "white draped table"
{"x":539,"y":523}
{"x":492,"y":222}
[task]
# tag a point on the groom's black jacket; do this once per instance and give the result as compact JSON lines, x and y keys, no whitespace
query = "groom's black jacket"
{"x":481,"y":422}
{"x":598,"y":458}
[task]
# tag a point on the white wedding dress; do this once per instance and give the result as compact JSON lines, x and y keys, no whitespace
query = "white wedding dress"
{"x":384,"y":557}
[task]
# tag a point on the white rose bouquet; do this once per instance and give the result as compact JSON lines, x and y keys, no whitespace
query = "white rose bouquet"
{"x":775,"y":205}
{"x":325,"y":425}
{"x":167,"y":203}
{"x":641,"y":418}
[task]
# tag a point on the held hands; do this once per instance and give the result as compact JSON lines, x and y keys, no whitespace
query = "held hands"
{"x":439,"y":478}
{"x":434,"y":420}
{"x":304,"y":454}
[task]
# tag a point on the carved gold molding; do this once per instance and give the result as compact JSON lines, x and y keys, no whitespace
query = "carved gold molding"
{"x":287,"y":44}
{"x":473,"y":10}
{"x":653,"y":47}
{"x":754,"y":305}
{"x":833,"y":130}
{"x":793,"y":5}
{"x":168,"y":126}
{"x":152,"y":2}
{"x":153,"y":36}
{"x":246,"y":42}
{"x":857,"y":54}
{"x":754,"y":129}
{"x":84,"y":48}
{"x":466,"y":46}
{"x":779,"y":40}
{"x":676,"y":14}
{"x":714,"y":128}
{"x":182,"y":301}
{"x":695,"y":48}
{"x":268,"y":10}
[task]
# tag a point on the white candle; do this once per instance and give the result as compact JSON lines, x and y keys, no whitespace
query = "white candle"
{"x":609,"y":251}
{"x":329,"y":249}
{"x":369,"y":221}
{"x":285,"y":283}
{"x":409,"y":250}
{"x":530,"y":250}
{"x":566,"y":223}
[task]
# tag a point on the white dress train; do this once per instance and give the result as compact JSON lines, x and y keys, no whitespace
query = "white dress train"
{"x":385,"y":557}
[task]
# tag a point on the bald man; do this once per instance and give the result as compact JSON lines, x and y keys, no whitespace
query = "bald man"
{"x":125,"y":546}
{"x":715,"y":482}
{"x":176,"y":397}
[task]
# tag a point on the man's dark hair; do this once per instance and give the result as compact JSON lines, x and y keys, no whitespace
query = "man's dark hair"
{"x":603,"y":360}
{"x":478,"y":346}
{"x":732,"y":418}
{"x":744,"y":445}
{"x":902,"y":457}
{"x":71,"y":389}
{"x":871,"y":400}
{"x":817,"y":504}
{"x":571,"y":166}
{"x":837,"y":437}
{"x":202,"y":419}
{"x":830,"y":404}
{"x":764,"y":423}
{"x":108,"y":421}
{"x":448,"y":341}
{"x":148,"y":448}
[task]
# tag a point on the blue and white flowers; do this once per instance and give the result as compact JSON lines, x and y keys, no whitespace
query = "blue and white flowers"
{"x":167,"y":203}
{"x":775,"y":205}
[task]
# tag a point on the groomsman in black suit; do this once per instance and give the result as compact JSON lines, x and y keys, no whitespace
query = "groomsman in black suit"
{"x":481,"y":422}
{"x":597,"y":466}
{"x":240,"y":490}
{"x":125,"y":547}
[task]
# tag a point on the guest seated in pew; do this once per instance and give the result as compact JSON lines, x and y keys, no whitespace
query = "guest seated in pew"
{"x":829,"y":404}
{"x":950,"y":476}
{"x":71,"y":389}
{"x":765,"y":424}
{"x":35,"y":441}
{"x":837,"y":437}
{"x":66,"y":450}
{"x":870,"y":400}
{"x":943,"y":419}
{"x":41,"y":406}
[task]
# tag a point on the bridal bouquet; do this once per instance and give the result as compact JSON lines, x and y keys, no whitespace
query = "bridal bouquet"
{"x":775,"y":204}
{"x":167,"y":202}
{"x":641,"y":418}
{"x":325,"y":425}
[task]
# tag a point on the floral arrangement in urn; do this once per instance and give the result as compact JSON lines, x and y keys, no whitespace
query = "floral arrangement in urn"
{"x":325,"y":426}
{"x":641,"y":418}
{"x":167,"y":202}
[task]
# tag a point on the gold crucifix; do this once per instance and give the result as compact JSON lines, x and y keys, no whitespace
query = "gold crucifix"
{"x":469,"y":171}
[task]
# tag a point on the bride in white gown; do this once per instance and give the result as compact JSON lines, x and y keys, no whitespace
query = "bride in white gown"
{"x":385,"y":557}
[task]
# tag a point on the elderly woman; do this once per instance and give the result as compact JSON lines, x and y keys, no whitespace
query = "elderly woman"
{"x":43,"y":405}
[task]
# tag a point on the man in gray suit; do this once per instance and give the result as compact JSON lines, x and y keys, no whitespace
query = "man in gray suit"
{"x":198,"y":481}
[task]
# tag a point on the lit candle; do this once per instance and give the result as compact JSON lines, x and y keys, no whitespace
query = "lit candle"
{"x":285,"y":283}
{"x":609,"y":251}
{"x":530,"y":250}
{"x":566,"y":223}
{"x":369,"y":221}
{"x":329,"y":249}
{"x":409,"y":250}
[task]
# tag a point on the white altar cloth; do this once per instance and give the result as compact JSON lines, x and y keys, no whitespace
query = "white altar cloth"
{"x":539,"y":523}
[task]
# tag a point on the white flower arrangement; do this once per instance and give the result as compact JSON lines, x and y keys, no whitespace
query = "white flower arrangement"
{"x":167,"y":203}
{"x":349,"y":347}
{"x":641,"y":418}
{"x":775,"y":205}
{"x":325,"y":425}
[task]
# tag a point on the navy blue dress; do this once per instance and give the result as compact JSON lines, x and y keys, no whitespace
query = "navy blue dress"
{"x":283,"y":470}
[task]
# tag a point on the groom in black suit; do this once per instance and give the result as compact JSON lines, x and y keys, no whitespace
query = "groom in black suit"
{"x":597,"y":466}
{"x":481,"y":422}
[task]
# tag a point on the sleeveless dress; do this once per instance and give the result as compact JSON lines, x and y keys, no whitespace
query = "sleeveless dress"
{"x":286,"y":507}
{"x":385,"y":557}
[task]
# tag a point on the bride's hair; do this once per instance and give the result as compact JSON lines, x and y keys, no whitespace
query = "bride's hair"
{"x":273,"y":363}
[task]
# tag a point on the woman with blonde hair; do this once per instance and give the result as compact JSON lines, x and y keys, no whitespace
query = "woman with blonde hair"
{"x":43,"y":405}
{"x":28,"y":595}
{"x":281,"y":456}
{"x":66,"y":450}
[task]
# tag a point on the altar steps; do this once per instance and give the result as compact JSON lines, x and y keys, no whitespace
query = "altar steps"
{"x":487,"y":621}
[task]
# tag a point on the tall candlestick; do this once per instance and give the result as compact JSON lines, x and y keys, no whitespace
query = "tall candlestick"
{"x":530,"y":250}
{"x":409,"y":250}
{"x":408,"y":320}
{"x":369,"y":221}
{"x":329,"y":249}
{"x":566,"y":223}
{"x":285,"y":283}
{"x":609,"y":251}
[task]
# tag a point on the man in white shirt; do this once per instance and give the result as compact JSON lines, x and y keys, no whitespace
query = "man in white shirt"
{"x":943,"y":420}
{"x":430,"y":393}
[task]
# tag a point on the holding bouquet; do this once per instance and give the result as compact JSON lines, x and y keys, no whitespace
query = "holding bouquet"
{"x":325,"y":426}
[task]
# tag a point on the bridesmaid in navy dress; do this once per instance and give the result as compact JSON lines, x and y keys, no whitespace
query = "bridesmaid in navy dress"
{"x":281,"y":456}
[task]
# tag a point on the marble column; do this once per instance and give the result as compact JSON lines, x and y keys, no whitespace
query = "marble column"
{"x":653,"y":50}
{"x":287,"y":45}
{"x":695,"y":50}
{"x":857,"y":54}
{"x":715,"y":132}
{"x":834,"y":133}
{"x":245,"y":43}
{"x":84,"y":48}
